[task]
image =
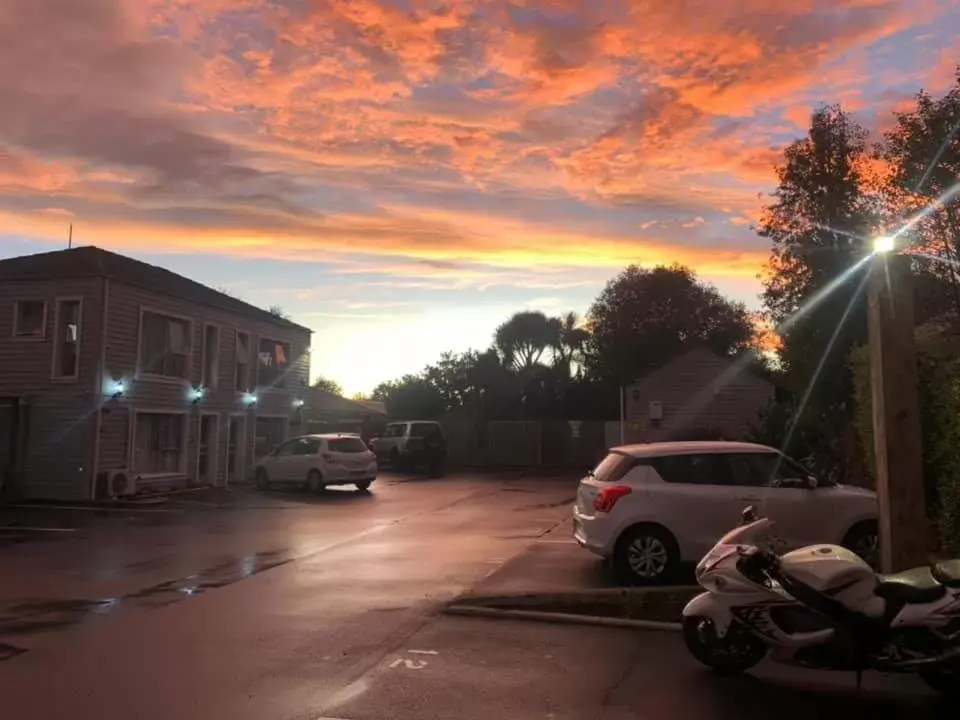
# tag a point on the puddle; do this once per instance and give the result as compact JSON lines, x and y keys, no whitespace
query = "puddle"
{"x":10,"y":651}
{"x":31,"y":617}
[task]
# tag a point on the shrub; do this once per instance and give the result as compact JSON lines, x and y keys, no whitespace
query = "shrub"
{"x":938,"y":387}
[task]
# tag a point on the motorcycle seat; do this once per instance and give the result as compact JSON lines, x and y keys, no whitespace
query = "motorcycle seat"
{"x":948,"y":573}
{"x":912,"y":587}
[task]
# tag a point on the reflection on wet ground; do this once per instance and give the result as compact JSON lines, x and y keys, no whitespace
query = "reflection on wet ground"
{"x":36,"y":616}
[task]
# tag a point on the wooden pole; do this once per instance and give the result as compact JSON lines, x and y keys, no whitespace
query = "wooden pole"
{"x":903,"y":523}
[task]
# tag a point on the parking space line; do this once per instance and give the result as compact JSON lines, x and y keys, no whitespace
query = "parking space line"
{"x":35,"y":529}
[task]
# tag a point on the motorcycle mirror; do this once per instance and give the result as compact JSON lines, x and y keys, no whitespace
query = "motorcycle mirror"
{"x":749,"y":515}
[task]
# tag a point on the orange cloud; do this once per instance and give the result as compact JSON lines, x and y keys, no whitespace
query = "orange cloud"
{"x":481,"y":132}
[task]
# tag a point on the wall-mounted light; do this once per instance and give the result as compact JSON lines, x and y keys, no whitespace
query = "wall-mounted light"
{"x":116,"y":389}
{"x":249,"y":399}
{"x":298,"y":403}
{"x":195,"y":395}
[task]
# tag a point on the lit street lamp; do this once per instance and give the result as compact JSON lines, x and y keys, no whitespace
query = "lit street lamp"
{"x":883,"y":244}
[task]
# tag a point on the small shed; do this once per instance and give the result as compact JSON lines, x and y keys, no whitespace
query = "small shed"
{"x":324,"y":411}
{"x":697,"y":391}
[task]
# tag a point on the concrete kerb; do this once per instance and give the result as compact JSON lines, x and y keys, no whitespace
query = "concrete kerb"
{"x":563,"y":618}
{"x":522,"y":606}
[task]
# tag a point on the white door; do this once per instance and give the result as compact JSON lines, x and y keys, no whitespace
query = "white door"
{"x":699,"y":499}
{"x":802,"y":515}
{"x":304,"y":458}
{"x":280,"y":464}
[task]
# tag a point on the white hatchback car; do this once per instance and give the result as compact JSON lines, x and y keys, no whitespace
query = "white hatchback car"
{"x":316,"y":461}
{"x":650,"y":507}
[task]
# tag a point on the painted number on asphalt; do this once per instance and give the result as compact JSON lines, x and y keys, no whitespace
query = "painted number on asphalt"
{"x":411,"y":664}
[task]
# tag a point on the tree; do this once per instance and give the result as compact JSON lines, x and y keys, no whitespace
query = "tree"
{"x":644,"y":318}
{"x":522,"y":340}
{"x":327,"y":385}
{"x":411,"y":397}
{"x":571,"y":341}
{"x":922,"y":151}
{"x":820,"y":224}
{"x":278,"y":311}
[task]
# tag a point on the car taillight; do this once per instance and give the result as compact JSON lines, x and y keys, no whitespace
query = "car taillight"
{"x":327,"y":457}
{"x":608,"y":497}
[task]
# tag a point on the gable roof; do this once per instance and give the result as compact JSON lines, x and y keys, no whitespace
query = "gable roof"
{"x":327,"y":402}
{"x":662,"y":374}
{"x":91,"y":261}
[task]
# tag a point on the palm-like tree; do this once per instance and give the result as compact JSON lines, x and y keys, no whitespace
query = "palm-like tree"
{"x":522,"y":340}
{"x":571,"y":339}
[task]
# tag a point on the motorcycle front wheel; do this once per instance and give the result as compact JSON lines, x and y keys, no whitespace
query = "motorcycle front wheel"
{"x":736,"y":652}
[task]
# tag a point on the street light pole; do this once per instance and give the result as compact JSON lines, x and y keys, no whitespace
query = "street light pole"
{"x":896,"y":412}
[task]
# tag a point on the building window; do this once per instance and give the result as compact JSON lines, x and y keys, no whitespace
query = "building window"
{"x":242,"y":374}
{"x":211,"y":356}
{"x":66,"y":350}
{"x":164,"y":345}
{"x":159,"y":443}
{"x":273,"y":363}
{"x":29,"y":319}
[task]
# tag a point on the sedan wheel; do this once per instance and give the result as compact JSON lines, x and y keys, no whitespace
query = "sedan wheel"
{"x":645,"y":556}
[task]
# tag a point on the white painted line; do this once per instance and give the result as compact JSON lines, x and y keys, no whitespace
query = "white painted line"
{"x":557,"y":542}
{"x":36,"y":529}
{"x":83,"y":508}
{"x":423,"y":652}
{"x":409,"y":664}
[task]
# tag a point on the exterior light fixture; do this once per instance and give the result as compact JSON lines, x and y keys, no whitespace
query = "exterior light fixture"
{"x":883,"y":244}
{"x":249,"y":399}
{"x":298,"y":403}
{"x":195,"y":395}
{"x":116,"y":389}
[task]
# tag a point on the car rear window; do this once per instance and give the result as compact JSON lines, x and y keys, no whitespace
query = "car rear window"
{"x":347,"y":445}
{"x":613,"y":467}
{"x":395,"y":430}
{"x":423,"y":430}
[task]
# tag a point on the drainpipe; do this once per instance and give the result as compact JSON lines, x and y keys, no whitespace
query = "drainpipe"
{"x":98,"y":385}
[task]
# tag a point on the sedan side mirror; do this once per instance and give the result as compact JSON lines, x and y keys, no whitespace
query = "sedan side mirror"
{"x":748,"y":515}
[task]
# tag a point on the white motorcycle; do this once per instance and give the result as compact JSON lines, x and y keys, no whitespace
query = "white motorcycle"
{"x":822,"y":607}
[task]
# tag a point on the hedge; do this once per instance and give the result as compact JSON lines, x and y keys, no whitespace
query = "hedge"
{"x":938,"y":375}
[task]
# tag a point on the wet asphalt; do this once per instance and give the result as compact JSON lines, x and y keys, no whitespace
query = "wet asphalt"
{"x":290,"y":606}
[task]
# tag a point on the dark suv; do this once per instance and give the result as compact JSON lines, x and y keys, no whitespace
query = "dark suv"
{"x":410,"y":445}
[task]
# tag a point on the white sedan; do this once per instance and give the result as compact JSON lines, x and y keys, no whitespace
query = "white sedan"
{"x":316,"y":461}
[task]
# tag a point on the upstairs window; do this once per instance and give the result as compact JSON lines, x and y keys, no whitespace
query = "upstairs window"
{"x":273,"y":363}
{"x":242,"y":363}
{"x":29,"y":319}
{"x":66,"y":350}
{"x":165,"y":345}
{"x":211,"y":356}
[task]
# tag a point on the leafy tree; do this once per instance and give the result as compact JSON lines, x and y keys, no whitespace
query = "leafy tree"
{"x":922,"y":151}
{"x":411,"y":397}
{"x":819,"y":223}
{"x":645,"y":318}
{"x":523,"y":339}
{"x":571,"y":341}
{"x":327,"y":385}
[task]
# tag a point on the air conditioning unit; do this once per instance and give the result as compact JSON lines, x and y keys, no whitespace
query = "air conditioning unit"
{"x":121,"y":483}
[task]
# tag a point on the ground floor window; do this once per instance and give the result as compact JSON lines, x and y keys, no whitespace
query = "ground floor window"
{"x":271,"y":431}
{"x":159,"y":443}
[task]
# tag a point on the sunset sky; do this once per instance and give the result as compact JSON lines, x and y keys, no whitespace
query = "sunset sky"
{"x":401,"y":175}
